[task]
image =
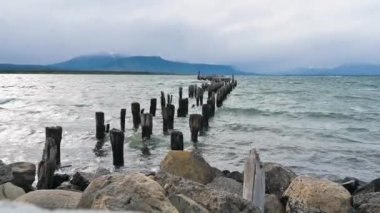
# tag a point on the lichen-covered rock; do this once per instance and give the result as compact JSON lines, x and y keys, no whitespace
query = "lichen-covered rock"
{"x":366,"y":198}
{"x":273,"y":204}
{"x":186,"y":205}
{"x":308,"y":194}
{"x":52,"y":199}
{"x":132,"y":191}
{"x":8,"y":191}
{"x":24,"y":174}
{"x":277,"y":178}
{"x":373,"y":186}
{"x":189,"y":165}
{"x":227,"y":184}
{"x":5,"y":173}
{"x":213,"y":200}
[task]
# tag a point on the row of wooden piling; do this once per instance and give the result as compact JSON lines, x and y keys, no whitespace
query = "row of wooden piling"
{"x":217,"y":91}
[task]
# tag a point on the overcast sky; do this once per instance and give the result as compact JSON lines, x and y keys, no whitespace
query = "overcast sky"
{"x":252,"y":34}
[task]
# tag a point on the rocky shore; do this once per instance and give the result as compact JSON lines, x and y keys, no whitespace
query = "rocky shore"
{"x":184,"y":183}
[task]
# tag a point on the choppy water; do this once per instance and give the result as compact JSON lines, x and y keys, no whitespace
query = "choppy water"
{"x":323,"y":126}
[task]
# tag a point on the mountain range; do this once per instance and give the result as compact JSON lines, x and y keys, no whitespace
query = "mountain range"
{"x":111,"y":63}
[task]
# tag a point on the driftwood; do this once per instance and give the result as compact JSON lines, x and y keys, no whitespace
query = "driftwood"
{"x":254,"y":180}
{"x":47,"y":165}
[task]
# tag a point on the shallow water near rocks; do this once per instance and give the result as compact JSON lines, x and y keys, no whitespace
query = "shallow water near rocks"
{"x":321,"y":126}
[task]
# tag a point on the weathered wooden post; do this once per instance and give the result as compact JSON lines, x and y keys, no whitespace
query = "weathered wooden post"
{"x":254,"y":180}
{"x":47,"y":165}
{"x":117,"y":143}
{"x":163,"y":102}
{"x":195,"y":123}
{"x":205,"y":116}
{"x":146,"y":125}
{"x":176,"y":140}
{"x":164,"y":112}
{"x":122,"y":119}
{"x":100,"y":128}
{"x":183,"y":107}
{"x":55,"y":133}
{"x":171,"y":113}
{"x":191,"y":91}
{"x":180,"y":93}
{"x":136,"y":115}
{"x":153,"y":106}
{"x":107,"y":128}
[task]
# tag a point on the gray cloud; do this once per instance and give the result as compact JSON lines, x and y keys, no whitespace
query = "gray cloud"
{"x":253,"y":34}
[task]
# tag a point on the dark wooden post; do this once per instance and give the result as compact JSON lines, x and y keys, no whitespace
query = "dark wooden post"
{"x":146,"y":125}
{"x":47,"y":165}
{"x":180,"y":93}
{"x":171,"y":113}
{"x":153,"y":106}
{"x":183,"y":107}
{"x":117,"y":143}
{"x":136,"y":115}
{"x":191,"y":91}
{"x":195,"y":123}
{"x":205,"y":116}
{"x":108,"y":128}
{"x":201,"y":96}
{"x":176,"y":140}
{"x":163,"y":102}
{"x":55,"y":133}
{"x":100,"y":128}
{"x":164,"y":111}
{"x":122,"y":119}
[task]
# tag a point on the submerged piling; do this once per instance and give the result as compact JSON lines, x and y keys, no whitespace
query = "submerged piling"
{"x":117,"y":143}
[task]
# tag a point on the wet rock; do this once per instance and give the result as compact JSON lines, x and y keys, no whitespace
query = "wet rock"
{"x":213,"y":200}
{"x":5,"y":173}
{"x":68,"y":186}
{"x":83,"y":179}
{"x":24,"y":174}
{"x":373,"y":186}
{"x":238,"y":176}
{"x":52,"y":199}
{"x":227,"y":185}
{"x":8,"y":191}
{"x":366,"y":198}
{"x":186,"y":205}
{"x":277,"y":178}
{"x":369,"y":208}
{"x":273,"y":204}
{"x":189,"y":165}
{"x":58,"y":179}
{"x":132,"y":191}
{"x":308,"y":194}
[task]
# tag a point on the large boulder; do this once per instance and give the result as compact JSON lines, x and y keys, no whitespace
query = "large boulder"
{"x":277,"y":178}
{"x":52,"y":199}
{"x":369,"y":208}
{"x":211,"y":199}
{"x":24,"y":174}
{"x":373,"y":186}
{"x":189,"y":165}
{"x":132,"y":191}
{"x":5,"y":173}
{"x":309,"y":194}
{"x":227,"y":184}
{"x":366,"y":198}
{"x":186,"y":205}
{"x":273,"y":204}
{"x":8,"y":191}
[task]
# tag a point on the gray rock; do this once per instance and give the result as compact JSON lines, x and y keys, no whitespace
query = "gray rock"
{"x":273,"y":204}
{"x":5,"y":173}
{"x":238,"y":176}
{"x":352,"y":184}
{"x":373,"y":186}
{"x":369,"y":208}
{"x":83,"y":179}
{"x":19,"y":207}
{"x":8,"y":191}
{"x":211,"y":199}
{"x":24,"y":174}
{"x":366,"y":198}
{"x":52,"y":199}
{"x":68,"y":186}
{"x":132,"y":191}
{"x":227,"y":185}
{"x":186,"y":205}
{"x":277,"y":178}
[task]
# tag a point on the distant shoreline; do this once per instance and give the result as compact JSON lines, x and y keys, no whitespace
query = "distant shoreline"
{"x":82,"y":72}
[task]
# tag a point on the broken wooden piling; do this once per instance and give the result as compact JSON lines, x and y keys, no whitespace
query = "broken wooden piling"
{"x":176,"y":140}
{"x":135,"y":108}
{"x":47,"y":165}
{"x":183,"y":107}
{"x":117,"y":143}
{"x":171,"y":113}
{"x":146,"y":125}
{"x":122,"y":119}
{"x":100,"y":128}
{"x":195,"y":124}
{"x":206,"y":109}
{"x":55,"y":133}
{"x":153,"y":106}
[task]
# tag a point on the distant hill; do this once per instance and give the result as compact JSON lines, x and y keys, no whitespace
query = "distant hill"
{"x":356,"y":69}
{"x":153,"y":64}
